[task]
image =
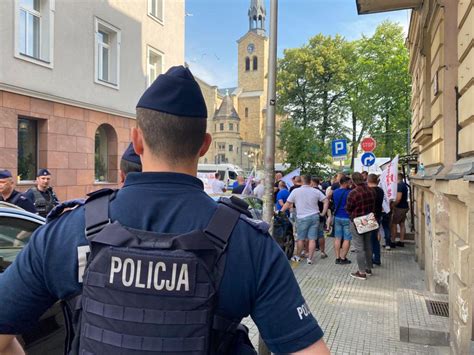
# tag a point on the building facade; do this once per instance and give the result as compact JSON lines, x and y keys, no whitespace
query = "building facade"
{"x":70,"y":77}
{"x":441,"y":44}
{"x":241,"y":142}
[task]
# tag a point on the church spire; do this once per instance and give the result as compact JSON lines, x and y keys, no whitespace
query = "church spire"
{"x":257,"y":14}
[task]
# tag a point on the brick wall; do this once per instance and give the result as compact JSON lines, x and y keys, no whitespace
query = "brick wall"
{"x":66,"y":142}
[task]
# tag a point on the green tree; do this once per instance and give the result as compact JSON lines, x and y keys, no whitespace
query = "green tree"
{"x":311,"y":88}
{"x":387,"y":58}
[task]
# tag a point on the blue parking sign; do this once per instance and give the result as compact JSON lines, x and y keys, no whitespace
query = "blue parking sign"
{"x":339,"y":147}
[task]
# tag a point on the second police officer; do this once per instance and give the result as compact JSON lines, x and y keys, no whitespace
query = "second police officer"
{"x":42,"y":194}
{"x":124,"y":292}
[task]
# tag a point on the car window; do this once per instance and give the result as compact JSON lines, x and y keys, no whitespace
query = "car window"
{"x":232,"y":175}
{"x":15,"y":232}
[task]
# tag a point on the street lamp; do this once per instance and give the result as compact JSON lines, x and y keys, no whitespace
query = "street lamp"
{"x":365,"y":7}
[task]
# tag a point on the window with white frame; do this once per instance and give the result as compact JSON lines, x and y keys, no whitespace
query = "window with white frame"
{"x":34,"y":26}
{"x":155,"y":64}
{"x":30,"y":17}
{"x":107,"y":53}
{"x":155,"y":9}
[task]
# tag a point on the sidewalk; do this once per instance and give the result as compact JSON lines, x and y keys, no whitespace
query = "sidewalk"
{"x":359,"y":317}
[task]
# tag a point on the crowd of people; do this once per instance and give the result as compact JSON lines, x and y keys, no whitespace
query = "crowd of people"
{"x":345,"y":208}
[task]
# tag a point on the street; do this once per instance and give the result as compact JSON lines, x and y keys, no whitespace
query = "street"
{"x":360,"y":317}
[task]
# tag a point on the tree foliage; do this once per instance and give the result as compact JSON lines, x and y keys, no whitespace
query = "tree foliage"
{"x":332,"y":88}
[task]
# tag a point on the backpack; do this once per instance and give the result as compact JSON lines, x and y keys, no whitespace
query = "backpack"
{"x":150,"y":293}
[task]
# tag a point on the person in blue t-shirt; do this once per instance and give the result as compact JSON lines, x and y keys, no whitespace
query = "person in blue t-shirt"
{"x":282,"y":195}
{"x":166,"y":197}
{"x":342,"y":233}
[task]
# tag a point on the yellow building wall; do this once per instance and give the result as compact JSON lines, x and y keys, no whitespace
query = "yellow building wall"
{"x":466,"y":76}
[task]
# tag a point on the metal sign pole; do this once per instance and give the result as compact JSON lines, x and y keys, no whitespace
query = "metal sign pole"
{"x":270,"y":134}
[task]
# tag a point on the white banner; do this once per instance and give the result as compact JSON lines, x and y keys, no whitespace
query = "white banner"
{"x":389,"y":180}
{"x":287,"y":178}
{"x":206,"y":179}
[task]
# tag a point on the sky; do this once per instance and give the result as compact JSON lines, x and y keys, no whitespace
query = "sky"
{"x":214,"y":26}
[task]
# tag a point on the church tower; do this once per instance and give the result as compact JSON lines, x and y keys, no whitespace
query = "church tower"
{"x":252,"y":75}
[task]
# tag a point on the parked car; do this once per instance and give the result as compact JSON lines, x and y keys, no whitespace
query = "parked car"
{"x":282,"y":227}
{"x":16,"y":228}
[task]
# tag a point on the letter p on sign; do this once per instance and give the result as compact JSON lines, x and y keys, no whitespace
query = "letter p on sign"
{"x":339,"y":147}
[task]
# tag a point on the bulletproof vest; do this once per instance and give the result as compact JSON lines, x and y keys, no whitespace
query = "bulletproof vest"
{"x":149,"y":293}
{"x":43,"y":206}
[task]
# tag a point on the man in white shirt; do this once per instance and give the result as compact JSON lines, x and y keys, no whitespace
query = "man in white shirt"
{"x":260,"y":189}
{"x":218,"y":185}
{"x":306,"y":199}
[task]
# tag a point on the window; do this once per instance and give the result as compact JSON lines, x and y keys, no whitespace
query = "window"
{"x":231,"y":148}
{"x":231,"y":126}
{"x":255,"y":63}
{"x":155,"y":64}
{"x":107,"y":61}
{"x":27,"y":148}
{"x":16,"y":232}
{"x":30,"y":17}
{"x":34,"y":20}
{"x":155,"y":9}
{"x":101,"y":155}
{"x":221,"y":126}
{"x":105,"y":154}
{"x":221,"y":146}
{"x":237,"y":150}
{"x":247,"y":64}
{"x":246,"y":112}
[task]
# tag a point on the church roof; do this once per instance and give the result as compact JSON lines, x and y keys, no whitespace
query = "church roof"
{"x":227,"y":110}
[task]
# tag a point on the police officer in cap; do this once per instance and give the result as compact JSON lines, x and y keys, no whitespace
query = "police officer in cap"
{"x":42,"y":194}
{"x":168,"y":199}
{"x":10,"y":195}
{"x":129,"y":163}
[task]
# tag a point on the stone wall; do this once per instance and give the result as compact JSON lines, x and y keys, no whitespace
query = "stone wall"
{"x":441,"y":41}
{"x":66,"y":142}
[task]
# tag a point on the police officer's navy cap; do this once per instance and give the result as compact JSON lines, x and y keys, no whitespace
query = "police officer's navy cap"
{"x":131,"y":156}
{"x":4,"y":174}
{"x":43,"y":172}
{"x":176,"y":92}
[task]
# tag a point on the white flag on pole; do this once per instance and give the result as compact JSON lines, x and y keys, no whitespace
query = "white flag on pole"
{"x":287,"y":178}
{"x":389,"y":181}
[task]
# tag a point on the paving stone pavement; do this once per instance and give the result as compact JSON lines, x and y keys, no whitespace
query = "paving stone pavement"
{"x":359,"y":317}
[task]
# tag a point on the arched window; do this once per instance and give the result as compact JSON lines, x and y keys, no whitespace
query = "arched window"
{"x":246,"y":112}
{"x":106,"y":154}
{"x":260,"y":21}
{"x":255,"y":63}
{"x":247,"y":64}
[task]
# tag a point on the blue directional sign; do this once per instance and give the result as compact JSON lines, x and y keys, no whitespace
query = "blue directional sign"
{"x":368,"y":159}
{"x":339,"y":147}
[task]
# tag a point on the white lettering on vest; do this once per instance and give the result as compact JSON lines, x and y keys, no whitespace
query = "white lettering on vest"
{"x":139,"y":273}
{"x":82,"y":254}
{"x":183,"y":278}
{"x":170,"y":283}
{"x":155,"y":275}
{"x":126,"y":263}
{"x":158,"y":266}
{"x":116,"y":265}
{"x":150,"y":274}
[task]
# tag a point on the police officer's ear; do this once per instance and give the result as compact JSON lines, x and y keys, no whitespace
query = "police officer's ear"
{"x":137,"y":140}
{"x":205,"y":145}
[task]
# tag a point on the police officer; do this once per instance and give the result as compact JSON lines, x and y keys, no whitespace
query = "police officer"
{"x":42,"y":194}
{"x":129,"y":163}
{"x":10,"y":195}
{"x":166,"y":197}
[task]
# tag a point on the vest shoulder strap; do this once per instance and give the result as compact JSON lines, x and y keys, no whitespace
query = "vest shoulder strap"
{"x":97,"y":211}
